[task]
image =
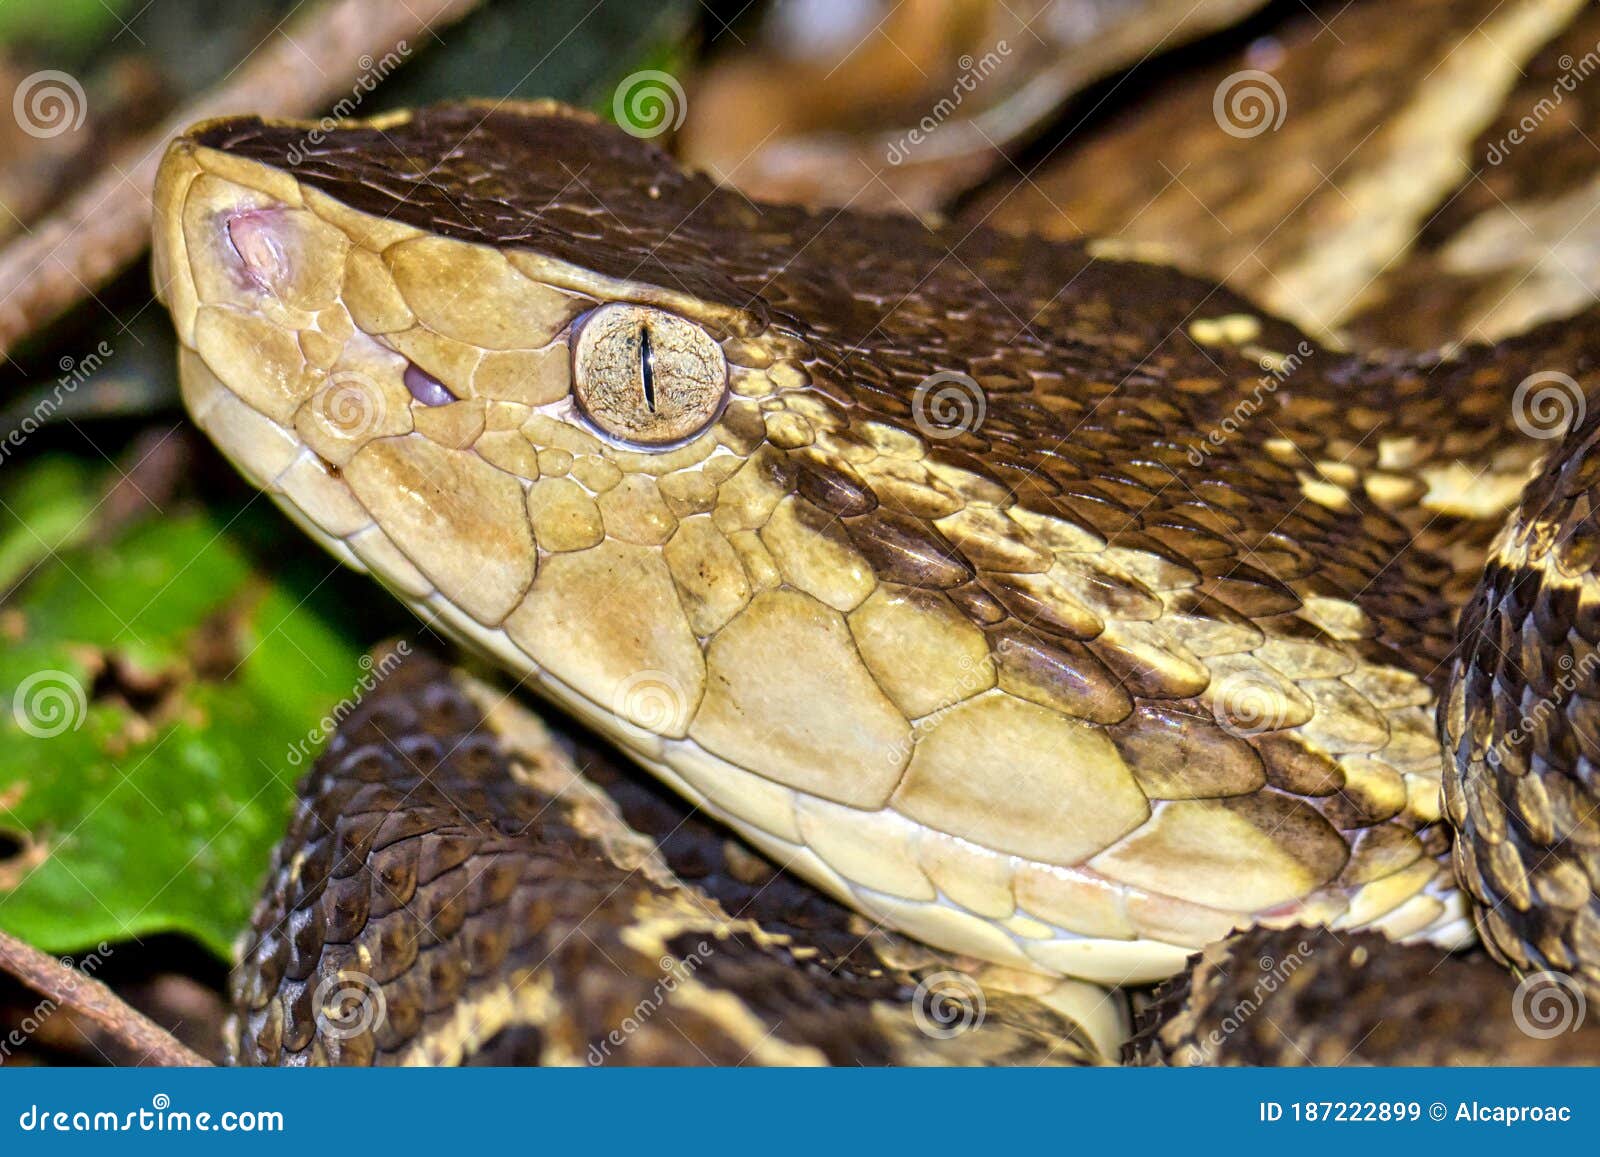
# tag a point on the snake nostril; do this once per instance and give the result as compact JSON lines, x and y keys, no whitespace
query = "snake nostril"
{"x":426,"y":388}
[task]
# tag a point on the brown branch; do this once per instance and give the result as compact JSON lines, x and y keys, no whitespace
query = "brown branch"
{"x":87,"y":997}
{"x":105,"y":227}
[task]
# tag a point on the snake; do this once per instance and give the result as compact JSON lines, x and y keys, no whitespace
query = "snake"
{"x":1055,"y":610}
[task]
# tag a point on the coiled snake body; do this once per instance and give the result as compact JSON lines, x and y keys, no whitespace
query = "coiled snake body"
{"x":1057,"y":611}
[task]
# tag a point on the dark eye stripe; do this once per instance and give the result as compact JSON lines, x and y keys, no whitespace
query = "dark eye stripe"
{"x":426,"y":388}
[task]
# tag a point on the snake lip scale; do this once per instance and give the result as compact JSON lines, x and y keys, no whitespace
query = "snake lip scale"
{"x":883,"y":544}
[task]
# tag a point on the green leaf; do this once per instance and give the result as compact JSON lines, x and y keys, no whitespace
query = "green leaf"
{"x":68,"y":22}
{"x":156,"y":696}
{"x":49,"y":506}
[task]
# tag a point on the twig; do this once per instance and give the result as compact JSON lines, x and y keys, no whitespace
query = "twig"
{"x":106,"y":226}
{"x":86,"y":996}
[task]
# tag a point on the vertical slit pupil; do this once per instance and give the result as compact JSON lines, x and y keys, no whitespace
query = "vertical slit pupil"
{"x":647,"y":372}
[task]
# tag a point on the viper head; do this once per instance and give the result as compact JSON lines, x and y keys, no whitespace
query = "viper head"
{"x":570,"y":401}
{"x":545,"y":385}
{"x":859,"y":534}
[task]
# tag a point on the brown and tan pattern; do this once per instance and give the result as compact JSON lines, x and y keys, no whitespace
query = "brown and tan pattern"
{"x":921,"y":101}
{"x":1522,"y":723}
{"x":1305,"y":996}
{"x":1053,"y":610}
{"x":1304,"y":167}
{"x":451,"y":890}
{"x":1516,"y":244}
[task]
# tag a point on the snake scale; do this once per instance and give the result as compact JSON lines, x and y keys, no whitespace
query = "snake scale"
{"x":1058,"y":611}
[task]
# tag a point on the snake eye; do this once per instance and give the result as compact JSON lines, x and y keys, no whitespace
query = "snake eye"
{"x":646,"y":376}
